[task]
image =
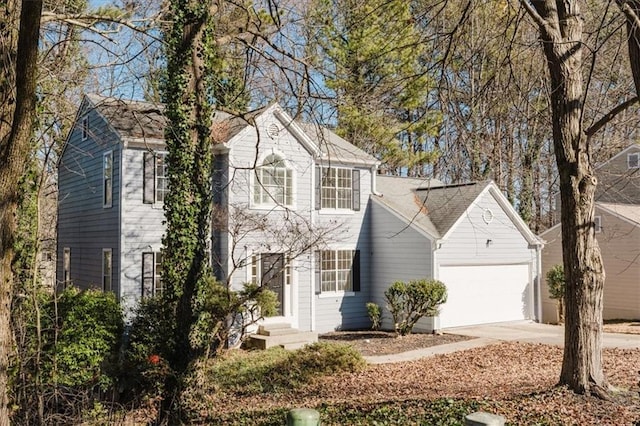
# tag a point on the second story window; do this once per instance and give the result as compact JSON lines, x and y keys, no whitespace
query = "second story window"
{"x":107,"y":179}
{"x":156,"y":179}
{"x":337,"y":188}
{"x":633,"y":160}
{"x":273,"y":183}
{"x":85,"y":127}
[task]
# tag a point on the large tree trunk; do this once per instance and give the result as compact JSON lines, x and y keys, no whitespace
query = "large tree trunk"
{"x":561,"y":32}
{"x":13,"y":150}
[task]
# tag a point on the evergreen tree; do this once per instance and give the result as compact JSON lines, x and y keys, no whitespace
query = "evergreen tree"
{"x":373,"y":58}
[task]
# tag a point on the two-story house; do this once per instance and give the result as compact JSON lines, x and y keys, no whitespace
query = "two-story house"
{"x":297,"y":209}
{"x":617,"y":227}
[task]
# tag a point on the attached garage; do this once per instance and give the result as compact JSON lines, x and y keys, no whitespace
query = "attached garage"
{"x":469,"y":237}
{"x":485,"y":294}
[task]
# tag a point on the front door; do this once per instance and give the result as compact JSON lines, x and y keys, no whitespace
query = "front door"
{"x":272,"y":269}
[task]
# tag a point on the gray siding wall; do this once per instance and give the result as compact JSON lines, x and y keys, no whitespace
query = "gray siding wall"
{"x":142,"y":226}
{"x":255,"y":229}
{"x":83,"y":224}
{"x":620,"y":246}
{"x":283,"y":229}
{"x":335,"y":311}
{"x":400,"y":253}
{"x":467,"y":245}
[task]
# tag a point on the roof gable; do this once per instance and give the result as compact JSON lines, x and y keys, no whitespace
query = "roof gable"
{"x":141,"y":122}
{"x":438,"y":208}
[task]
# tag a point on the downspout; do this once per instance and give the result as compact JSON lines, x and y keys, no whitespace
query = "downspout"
{"x":374,"y":172}
{"x":312,"y":280}
{"x":538,"y":282}
{"x":121,"y":201}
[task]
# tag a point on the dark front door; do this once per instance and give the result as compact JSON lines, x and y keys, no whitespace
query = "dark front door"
{"x":273,"y":276}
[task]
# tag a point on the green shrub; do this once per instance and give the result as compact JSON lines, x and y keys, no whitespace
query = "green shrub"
{"x":556,"y":284}
{"x":150,"y":344}
{"x":555,"y":281}
{"x":81,"y":348}
{"x":375,"y":315}
{"x":408,"y":302}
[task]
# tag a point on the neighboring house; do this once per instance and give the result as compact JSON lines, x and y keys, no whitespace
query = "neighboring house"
{"x":295,"y":208}
{"x":617,"y":226}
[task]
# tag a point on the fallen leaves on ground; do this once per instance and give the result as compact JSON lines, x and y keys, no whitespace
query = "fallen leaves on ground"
{"x":516,"y":379}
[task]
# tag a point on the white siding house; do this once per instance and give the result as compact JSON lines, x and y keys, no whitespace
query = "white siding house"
{"x":296,"y":209}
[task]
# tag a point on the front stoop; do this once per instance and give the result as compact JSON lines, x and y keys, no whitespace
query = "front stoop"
{"x":283,"y":335}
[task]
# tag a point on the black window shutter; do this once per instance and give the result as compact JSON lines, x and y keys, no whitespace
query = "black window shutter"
{"x":318,"y":272}
{"x":148,"y":185}
{"x":318,"y":187}
{"x":355,"y":270}
{"x":147,"y":274}
{"x":355,"y":189}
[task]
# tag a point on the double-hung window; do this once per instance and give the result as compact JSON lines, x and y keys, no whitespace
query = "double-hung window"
{"x":155,"y":187}
{"x":107,"y":179}
{"x":152,"y":274}
{"x":633,"y":160}
{"x":273,"y":183}
{"x":337,"y":271}
{"x":107,"y":269}
{"x":66,"y":266}
{"x":337,"y":188}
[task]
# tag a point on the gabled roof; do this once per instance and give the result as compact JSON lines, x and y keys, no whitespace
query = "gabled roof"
{"x":335,"y":148}
{"x":131,"y":119}
{"x":629,"y":212}
{"x":399,"y":195}
{"x":136,"y":120}
{"x":634,"y":146}
{"x":435,"y":208}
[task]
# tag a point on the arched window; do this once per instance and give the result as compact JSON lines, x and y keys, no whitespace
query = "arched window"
{"x":273,"y":183}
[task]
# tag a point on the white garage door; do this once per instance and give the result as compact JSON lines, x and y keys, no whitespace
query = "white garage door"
{"x":485,"y":294}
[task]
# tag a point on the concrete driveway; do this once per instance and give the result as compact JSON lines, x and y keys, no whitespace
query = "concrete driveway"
{"x":532,"y":332}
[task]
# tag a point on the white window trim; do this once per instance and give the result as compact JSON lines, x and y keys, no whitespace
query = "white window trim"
{"x":637,"y":161}
{"x":104,"y":252}
{"x":252,"y":184}
{"x":337,"y":210}
{"x":597,"y":222}
{"x":106,"y":204}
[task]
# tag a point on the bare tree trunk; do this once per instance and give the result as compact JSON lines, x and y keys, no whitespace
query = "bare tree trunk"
{"x":13,"y":150}
{"x":561,"y":28}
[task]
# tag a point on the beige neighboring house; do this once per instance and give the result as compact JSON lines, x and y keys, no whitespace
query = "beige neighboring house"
{"x":617,"y":222}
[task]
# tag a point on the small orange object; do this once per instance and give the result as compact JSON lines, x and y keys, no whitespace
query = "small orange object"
{"x":154,"y":359}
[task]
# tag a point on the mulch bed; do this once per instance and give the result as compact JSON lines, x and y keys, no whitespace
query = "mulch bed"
{"x":371,"y":343}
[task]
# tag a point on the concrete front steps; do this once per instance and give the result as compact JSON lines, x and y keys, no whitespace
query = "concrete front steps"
{"x":270,"y":335}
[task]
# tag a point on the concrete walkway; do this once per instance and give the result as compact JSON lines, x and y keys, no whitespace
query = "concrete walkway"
{"x":521,"y":331}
